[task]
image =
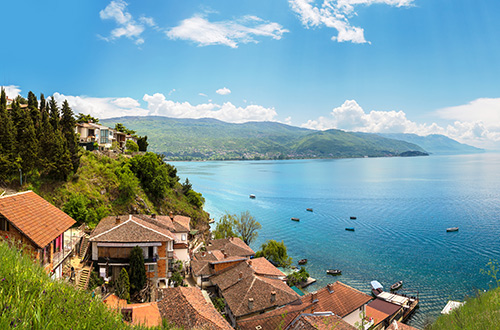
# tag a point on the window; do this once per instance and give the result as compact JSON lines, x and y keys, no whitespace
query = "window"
{"x":4,"y":224}
{"x":150,"y":252}
{"x":183,"y":237}
{"x":104,"y":136}
{"x":151,"y":268}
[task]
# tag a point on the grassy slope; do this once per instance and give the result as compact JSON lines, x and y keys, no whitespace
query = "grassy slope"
{"x":213,"y":139}
{"x":29,"y":299}
{"x":96,"y":178}
{"x":482,"y":312}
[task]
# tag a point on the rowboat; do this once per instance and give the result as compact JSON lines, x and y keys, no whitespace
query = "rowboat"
{"x":252,"y":196}
{"x":295,"y":219}
{"x":349,"y":228}
{"x":452,"y":229}
{"x":396,"y":286}
{"x":302,"y":261}
{"x":352,"y":218}
{"x":377,"y":288}
{"x":309,"y":209}
{"x":334,"y":272}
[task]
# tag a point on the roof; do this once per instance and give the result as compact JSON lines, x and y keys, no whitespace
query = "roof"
{"x":232,"y":246}
{"x":262,"y":266}
{"x":187,"y":307}
{"x":246,"y":292}
{"x":320,"y":321}
{"x":380,"y":309}
{"x":129,"y":229}
{"x":146,"y":314}
{"x":113,"y":301}
{"x":176,"y":224}
{"x":395,"y":325}
{"x":36,"y":218}
{"x":341,"y":301}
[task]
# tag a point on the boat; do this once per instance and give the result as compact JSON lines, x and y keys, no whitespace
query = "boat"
{"x":334,"y":272}
{"x":452,"y":229}
{"x":295,"y":219}
{"x":302,"y":261}
{"x":352,"y":218}
{"x":377,"y":288}
{"x":349,"y":228}
{"x":211,"y":221}
{"x":396,"y":286}
{"x":309,"y":209}
{"x":252,"y":196}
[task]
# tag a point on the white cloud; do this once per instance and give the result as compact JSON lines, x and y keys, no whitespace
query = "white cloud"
{"x":158,"y":105}
{"x":336,"y":14}
{"x":127,"y":27}
{"x":223,"y":91}
{"x":469,"y":129}
{"x":229,"y":33}
{"x":203,"y":94}
{"x":12,"y":91}
{"x":106,"y":107}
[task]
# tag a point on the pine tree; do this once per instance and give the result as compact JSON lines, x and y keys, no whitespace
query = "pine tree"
{"x":122,"y":287}
{"x":54,"y":113}
{"x":7,"y":138}
{"x":137,"y":270}
{"x":28,"y":143}
{"x":43,"y":103}
{"x":67,"y":124}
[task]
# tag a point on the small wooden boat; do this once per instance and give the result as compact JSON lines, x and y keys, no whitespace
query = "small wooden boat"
{"x":396,"y":286}
{"x":295,"y":219}
{"x":377,"y":288}
{"x":349,"y":228}
{"x":302,"y":261}
{"x":334,"y":272}
{"x":309,"y":209}
{"x":252,"y":196}
{"x":452,"y":229}
{"x":352,"y":218}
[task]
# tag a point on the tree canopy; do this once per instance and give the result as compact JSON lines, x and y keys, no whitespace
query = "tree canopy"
{"x":244,"y":226}
{"x":225,"y":227}
{"x":275,"y":252}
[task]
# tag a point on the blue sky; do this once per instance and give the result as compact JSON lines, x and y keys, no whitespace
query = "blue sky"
{"x":416,"y":66}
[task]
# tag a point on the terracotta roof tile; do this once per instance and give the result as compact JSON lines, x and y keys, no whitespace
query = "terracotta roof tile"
{"x":129,"y":229}
{"x":186,"y":307}
{"x":262,"y":266}
{"x":147,"y":314}
{"x":400,"y":326}
{"x":320,"y":322}
{"x":232,"y":246}
{"x":36,"y":218}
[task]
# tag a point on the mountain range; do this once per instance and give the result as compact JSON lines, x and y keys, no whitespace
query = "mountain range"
{"x":211,"y":139}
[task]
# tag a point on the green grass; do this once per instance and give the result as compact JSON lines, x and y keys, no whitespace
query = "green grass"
{"x":481,"y":312}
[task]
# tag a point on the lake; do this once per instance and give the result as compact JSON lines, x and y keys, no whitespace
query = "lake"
{"x":403,"y":207}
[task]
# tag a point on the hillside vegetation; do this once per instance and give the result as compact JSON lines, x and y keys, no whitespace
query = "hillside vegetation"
{"x":210,"y":139}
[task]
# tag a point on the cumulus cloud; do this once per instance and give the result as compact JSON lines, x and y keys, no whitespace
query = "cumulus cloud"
{"x":229,"y":33}
{"x":12,"y":91}
{"x":223,"y":91}
{"x":350,"y":116}
{"x":127,"y":27}
{"x":105,"y":107}
{"x":158,"y":105}
{"x":336,"y":14}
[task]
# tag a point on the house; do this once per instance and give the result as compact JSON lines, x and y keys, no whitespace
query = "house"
{"x":220,"y":254}
{"x":43,"y":229}
{"x":337,"y":298}
{"x":252,"y":287}
{"x":91,"y":133}
{"x":188,"y":308}
{"x":163,"y":239}
{"x":319,"y":321}
{"x":383,"y":313}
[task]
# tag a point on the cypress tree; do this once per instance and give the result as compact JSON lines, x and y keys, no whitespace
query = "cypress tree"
{"x":137,"y":270}
{"x":7,"y":138}
{"x":54,"y":113}
{"x":28,"y":143}
{"x":43,"y":104}
{"x":68,"y":124}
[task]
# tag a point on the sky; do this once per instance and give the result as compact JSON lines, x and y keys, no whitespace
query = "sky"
{"x":412,"y":66}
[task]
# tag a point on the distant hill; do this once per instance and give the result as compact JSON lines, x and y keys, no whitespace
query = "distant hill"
{"x":211,"y":139}
{"x":435,"y":143}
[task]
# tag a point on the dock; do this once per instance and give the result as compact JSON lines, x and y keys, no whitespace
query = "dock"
{"x":452,"y":305}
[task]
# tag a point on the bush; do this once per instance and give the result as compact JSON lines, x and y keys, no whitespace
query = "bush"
{"x":297,"y":277}
{"x":275,"y":252}
{"x":131,"y":146}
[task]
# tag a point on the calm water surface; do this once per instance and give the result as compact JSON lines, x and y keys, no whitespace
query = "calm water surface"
{"x":403,"y":207}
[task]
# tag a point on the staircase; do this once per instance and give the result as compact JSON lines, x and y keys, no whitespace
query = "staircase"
{"x":83,"y":281}
{"x":84,"y":247}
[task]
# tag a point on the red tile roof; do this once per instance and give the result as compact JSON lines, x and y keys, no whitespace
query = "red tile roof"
{"x":36,"y":218}
{"x":395,"y":325}
{"x":130,"y":228}
{"x":262,"y":266}
{"x":187,"y":307}
{"x":147,"y":314}
{"x":320,"y":322}
{"x":232,"y":246}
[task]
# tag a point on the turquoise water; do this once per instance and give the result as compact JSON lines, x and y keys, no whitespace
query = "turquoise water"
{"x":403,"y":207}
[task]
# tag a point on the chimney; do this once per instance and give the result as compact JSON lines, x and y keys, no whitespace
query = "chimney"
{"x":240,"y":276}
{"x":313,"y":297}
{"x":153,"y":216}
{"x":171,"y":214}
{"x":117,"y":219}
{"x":250,"y":303}
{"x":273,"y":296}
{"x":330,"y":287}
{"x":250,"y":263}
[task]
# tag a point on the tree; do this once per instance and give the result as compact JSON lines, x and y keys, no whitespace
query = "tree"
{"x":195,"y":198}
{"x":54,"y":113}
{"x":247,"y":227}
{"x":142,"y":142}
{"x":225,"y":227}
{"x":186,"y":186}
{"x":275,"y":252}
{"x":295,"y":278}
{"x":137,"y":270}
{"x":121,"y":128}
{"x":81,"y":118}
{"x":122,"y":286}
{"x":131,"y":146}
{"x":28,"y":142}
{"x":68,"y":123}
{"x":153,"y":174}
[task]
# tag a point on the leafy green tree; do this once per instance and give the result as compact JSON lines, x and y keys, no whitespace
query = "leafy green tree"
{"x":43,"y":103}
{"x":153,"y":174}
{"x":142,"y":142}
{"x":195,"y":198}
{"x":122,"y":286}
{"x":76,"y":207}
{"x":186,"y":186}
{"x":295,"y":278}
{"x":247,"y":227}
{"x":7,"y":138}
{"x":275,"y":252}
{"x":81,"y":118}
{"x":225,"y":227}
{"x":137,"y":270}
{"x":128,"y":184}
{"x":131,"y":146}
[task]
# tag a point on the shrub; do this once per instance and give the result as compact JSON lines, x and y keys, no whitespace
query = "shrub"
{"x":131,"y":146}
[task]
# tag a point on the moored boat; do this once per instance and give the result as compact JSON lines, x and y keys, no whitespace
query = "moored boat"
{"x":452,"y":229}
{"x":396,"y":286}
{"x":295,"y":219}
{"x":211,"y":221}
{"x":377,"y":288}
{"x":334,"y":272}
{"x":349,"y":228}
{"x":352,"y":218}
{"x":309,"y":209}
{"x":302,"y":261}
{"x":252,"y":196}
